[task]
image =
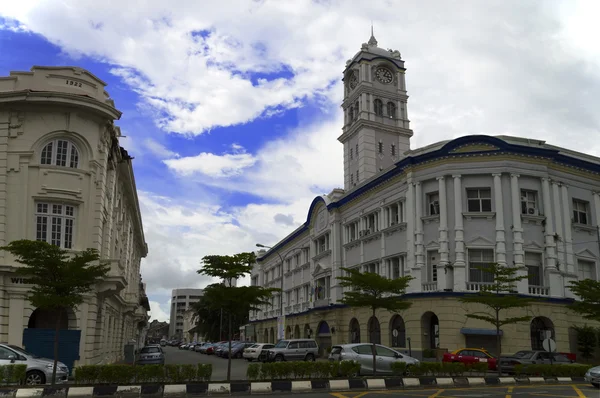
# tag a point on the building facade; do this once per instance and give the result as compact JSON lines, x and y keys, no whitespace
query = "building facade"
{"x":437,"y":214}
{"x":181,"y":301}
{"x":64,"y":179}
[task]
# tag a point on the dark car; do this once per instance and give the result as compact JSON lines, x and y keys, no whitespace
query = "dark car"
{"x":151,"y":355}
{"x":508,"y":363}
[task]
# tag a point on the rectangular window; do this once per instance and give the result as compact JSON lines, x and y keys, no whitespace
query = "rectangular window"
{"x":372,"y":223}
{"x":352,"y":231}
{"x":356,"y":150}
{"x":305,"y":292}
{"x":393,"y":149}
{"x":380,"y":147}
{"x":394,"y":214}
{"x":433,"y":204}
{"x":432,"y":260}
{"x":351,"y":153}
{"x":586,"y":269}
{"x":479,"y":200}
{"x":529,"y":203}
{"x":357,"y":179}
{"x":322,"y":288}
{"x":396,"y":267}
{"x":297,"y":260}
{"x":322,"y":243}
{"x":373,"y":268}
{"x":352,"y":179}
{"x":479,"y":259}
{"x":288,"y":265}
{"x":533,"y":262}
{"x":55,"y":224}
{"x":297,"y":295}
{"x":580,"y":211}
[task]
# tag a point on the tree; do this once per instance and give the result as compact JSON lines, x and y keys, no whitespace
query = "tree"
{"x":586,"y":340}
{"x":498,"y":297}
{"x":374,"y":291}
{"x":60,"y":279}
{"x":235,"y":302}
{"x":588,"y":305}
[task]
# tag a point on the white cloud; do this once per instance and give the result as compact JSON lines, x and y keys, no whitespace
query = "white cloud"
{"x":156,"y":312}
{"x":159,"y":149}
{"x":224,"y":165}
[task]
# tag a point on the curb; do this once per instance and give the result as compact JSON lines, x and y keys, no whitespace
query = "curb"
{"x":271,"y":387}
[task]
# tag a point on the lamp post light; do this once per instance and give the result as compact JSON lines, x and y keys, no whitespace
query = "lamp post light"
{"x":282,"y":258}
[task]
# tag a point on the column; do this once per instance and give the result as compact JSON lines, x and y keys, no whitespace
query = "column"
{"x":500,"y":238}
{"x":382,"y":219}
{"x":459,"y":237}
{"x":16,"y":308}
{"x":550,"y":245}
{"x":560,"y":235}
{"x":415,"y":271}
{"x":83,"y":312}
{"x":442,"y":276}
{"x":337,"y":249}
{"x":419,"y":225}
{"x":566,"y":207}
{"x":518,"y":253}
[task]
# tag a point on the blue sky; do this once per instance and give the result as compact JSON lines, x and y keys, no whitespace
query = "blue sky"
{"x":232,"y":110}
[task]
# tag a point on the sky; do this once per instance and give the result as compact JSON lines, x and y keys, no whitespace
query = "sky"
{"x":231,"y":109}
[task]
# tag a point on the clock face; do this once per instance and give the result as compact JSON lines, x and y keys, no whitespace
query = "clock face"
{"x":384,"y":75}
{"x":353,"y":81}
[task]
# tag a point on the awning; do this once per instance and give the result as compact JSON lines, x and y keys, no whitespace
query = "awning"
{"x":480,"y":332}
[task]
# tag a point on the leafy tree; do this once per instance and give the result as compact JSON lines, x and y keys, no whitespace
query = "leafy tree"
{"x":586,"y":340}
{"x":60,"y":279}
{"x":235,"y":302}
{"x":374,"y":291}
{"x":588,"y":305}
{"x":499,"y":297}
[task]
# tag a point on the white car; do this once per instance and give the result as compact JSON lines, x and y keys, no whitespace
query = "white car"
{"x":593,"y":376}
{"x":253,"y":352}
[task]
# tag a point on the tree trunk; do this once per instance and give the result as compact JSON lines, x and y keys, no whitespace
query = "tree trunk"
{"x":498,"y":343}
{"x":373,"y":348}
{"x":229,"y":353}
{"x":56,"y":332}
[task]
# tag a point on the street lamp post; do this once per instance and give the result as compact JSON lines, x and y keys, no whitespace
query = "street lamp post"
{"x":282,"y":258}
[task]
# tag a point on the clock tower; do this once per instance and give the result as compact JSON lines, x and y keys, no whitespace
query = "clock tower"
{"x":376,"y":132}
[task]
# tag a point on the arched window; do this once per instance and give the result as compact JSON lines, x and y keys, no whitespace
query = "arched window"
{"x":397,"y":332}
{"x":356,"y":110}
{"x":374,"y":331}
{"x":378,"y":107}
{"x":354,"y":331}
{"x":541,"y":328}
{"x":60,"y":153}
{"x":391,"y":110}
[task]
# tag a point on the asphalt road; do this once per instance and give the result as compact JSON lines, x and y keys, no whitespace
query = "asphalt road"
{"x":175,"y":356}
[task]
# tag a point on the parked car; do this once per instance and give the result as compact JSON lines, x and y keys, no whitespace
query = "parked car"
{"x":293,"y":350}
{"x":151,"y":355}
{"x":163,"y":343}
{"x":469,"y":356}
{"x":253,"y":352}
{"x":593,"y":376}
{"x":183,"y":346}
{"x":508,"y":363}
{"x":363,"y":354}
{"x":198,"y":347}
{"x":237,"y":349}
{"x":211,"y":350}
{"x":223,"y":349}
{"x":39,"y":370}
{"x":204,"y":348}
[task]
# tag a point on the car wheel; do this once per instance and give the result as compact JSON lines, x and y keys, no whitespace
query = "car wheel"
{"x":279,"y":358}
{"x":408,"y":371}
{"x":35,"y":377}
{"x":597,"y":385}
{"x":310,"y":358}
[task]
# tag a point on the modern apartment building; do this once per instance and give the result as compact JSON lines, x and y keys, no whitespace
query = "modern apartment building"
{"x":437,"y":214}
{"x":65,"y":179}
{"x":181,"y":301}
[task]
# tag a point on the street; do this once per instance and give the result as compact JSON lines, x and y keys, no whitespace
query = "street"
{"x":175,"y":356}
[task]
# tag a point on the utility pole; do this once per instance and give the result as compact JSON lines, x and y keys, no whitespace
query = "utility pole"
{"x":221,"y":327}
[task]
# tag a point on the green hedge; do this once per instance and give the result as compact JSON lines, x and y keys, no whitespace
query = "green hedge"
{"x":562,"y":370}
{"x":301,"y":370}
{"x":438,"y":368}
{"x":12,"y":374}
{"x":126,"y":374}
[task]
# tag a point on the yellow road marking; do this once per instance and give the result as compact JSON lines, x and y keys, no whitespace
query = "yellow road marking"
{"x":436,"y":394}
{"x":362,"y":394}
{"x":578,"y":391}
{"x":509,"y":392}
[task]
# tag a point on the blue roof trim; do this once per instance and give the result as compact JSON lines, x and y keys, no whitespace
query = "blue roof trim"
{"x":301,"y":230}
{"x":480,"y":332}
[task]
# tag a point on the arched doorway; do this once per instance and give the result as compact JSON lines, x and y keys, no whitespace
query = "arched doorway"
{"x":541,"y":328}
{"x":430,"y":328}
{"x":323,"y":338}
{"x":397,"y":332}
{"x":307,"y":331}
{"x":288,"y":332}
{"x":297,"y":332}
{"x":266,"y":336}
{"x":46,"y":319}
{"x":272,"y":336}
{"x":354,"y":337}
{"x":374,"y":330}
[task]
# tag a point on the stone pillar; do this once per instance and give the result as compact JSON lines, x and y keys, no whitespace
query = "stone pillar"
{"x":415,"y":270}
{"x":442,"y":275}
{"x":419,"y":225}
{"x":570,"y":268}
{"x":337,"y":248}
{"x":554,"y":279}
{"x":560,"y":239}
{"x":500,"y":237}
{"x":83,"y":311}
{"x":460,"y":272}
{"x":518,"y":253}
{"x":16,"y":307}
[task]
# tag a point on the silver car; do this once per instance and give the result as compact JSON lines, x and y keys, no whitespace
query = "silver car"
{"x":151,"y":355}
{"x":593,"y":376}
{"x":39,"y":370}
{"x":363,"y":354}
{"x":293,"y":350}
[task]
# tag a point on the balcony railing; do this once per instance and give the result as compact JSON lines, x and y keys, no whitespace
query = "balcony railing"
{"x":539,"y":290}
{"x":322,"y":303}
{"x":305,"y":306}
{"x":476,"y":286}
{"x":429,"y":286}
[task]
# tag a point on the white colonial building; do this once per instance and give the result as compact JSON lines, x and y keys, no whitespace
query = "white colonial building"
{"x":435,"y":213}
{"x":65,"y":179}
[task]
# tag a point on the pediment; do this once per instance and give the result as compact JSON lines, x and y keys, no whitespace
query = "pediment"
{"x":533,"y":245}
{"x":586,"y":253}
{"x":433,"y":243}
{"x":321,"y":269}
{"x":480,"y":241}
{"x":475,"y":147}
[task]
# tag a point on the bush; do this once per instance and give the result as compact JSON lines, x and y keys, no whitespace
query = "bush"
{"x":429,"y":353}
{"x":301,"y":370}
{"x":127,"y":374}
{"x":558,"y":370}
{"x":586,"y":340}
{"x":12,"y":374}
{"x":437,"y":369}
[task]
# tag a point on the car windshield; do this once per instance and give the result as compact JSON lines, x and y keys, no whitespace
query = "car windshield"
{"x":22,"y":351}
{"x":150,"y":350}
{"x":523,"y":354}
{"x":281,"y":344}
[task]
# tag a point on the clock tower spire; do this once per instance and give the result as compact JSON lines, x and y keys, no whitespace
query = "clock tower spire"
{"x":376,"y":131}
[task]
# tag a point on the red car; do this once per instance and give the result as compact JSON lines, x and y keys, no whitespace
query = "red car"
{"x":471,"y":355}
